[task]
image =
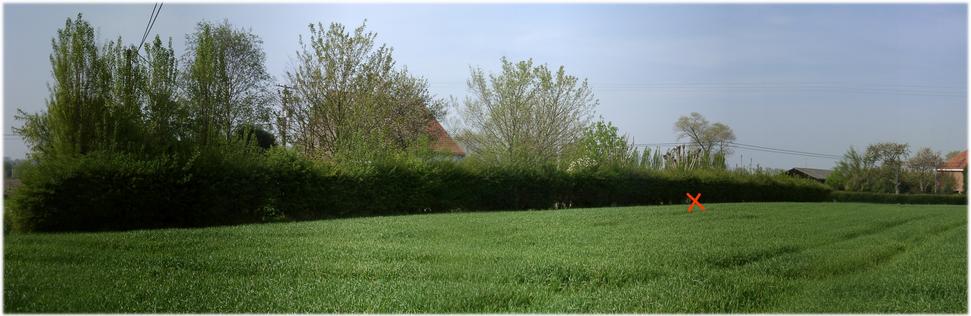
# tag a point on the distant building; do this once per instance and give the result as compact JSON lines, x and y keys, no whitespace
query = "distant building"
{"x":9,"y":185}
{"x":441,"y":141}
{"x":810,"y":173}
{"x":954,"y":168}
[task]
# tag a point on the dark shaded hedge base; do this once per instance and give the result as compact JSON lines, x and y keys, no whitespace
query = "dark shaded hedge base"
{"x":845,"y":196}
{"x":112,"y":192}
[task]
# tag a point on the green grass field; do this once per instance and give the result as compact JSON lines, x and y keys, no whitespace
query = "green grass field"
{"x":746,"y":257}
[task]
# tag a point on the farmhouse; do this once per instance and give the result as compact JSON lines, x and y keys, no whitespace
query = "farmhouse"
{"x":954,"y":168}
{"x":810,"y":173}
{"x":441,"y":141}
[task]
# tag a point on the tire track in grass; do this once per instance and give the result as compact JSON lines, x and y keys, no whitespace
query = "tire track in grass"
{"x":748,"y":258}
{"x":746,"y":298}
{"x":559,"y":277}
{"x":865,"y":260}
{"x":752,"y":257}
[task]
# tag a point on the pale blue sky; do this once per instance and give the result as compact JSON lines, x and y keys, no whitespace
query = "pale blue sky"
{"x":816,"y":78}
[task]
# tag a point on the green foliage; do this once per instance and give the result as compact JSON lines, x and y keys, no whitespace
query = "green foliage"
{"x":850,"y":173}
{"x":11,"y":167}
{"x":681,"y":159}
{"x":921,"y":170}
{"x":891,"y":157}
{"x":651,"y":159}
{"x":254,"y":135}
{"x":166,"y":116}
{"x":111,"y":191}
{"x":526,"y":114}
{"x":226,"y":82}
{"x":600,"y":146}
{"x":348,"y":99}
{"x":870,"y":197}
{"x":93,"y":101}
{"x":884,"y":168}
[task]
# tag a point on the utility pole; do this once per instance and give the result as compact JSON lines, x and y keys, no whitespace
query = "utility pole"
{"x":282,"y":119}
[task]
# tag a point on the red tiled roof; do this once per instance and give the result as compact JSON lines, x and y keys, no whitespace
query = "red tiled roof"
{"x":959,"y":161}
{"x":441,"y":141}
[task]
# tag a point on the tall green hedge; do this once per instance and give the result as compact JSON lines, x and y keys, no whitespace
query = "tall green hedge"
{"x":889,"y":198}
{"x":116,"y":192}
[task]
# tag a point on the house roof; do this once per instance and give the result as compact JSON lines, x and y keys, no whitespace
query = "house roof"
{"x":959,"y":161}
{"x":820,"y":174}
{"x":441,"y":141}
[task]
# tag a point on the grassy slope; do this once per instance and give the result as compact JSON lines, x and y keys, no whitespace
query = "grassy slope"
{"x":776,"y":257}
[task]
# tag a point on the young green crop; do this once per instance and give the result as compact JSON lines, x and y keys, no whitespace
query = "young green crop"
{"x":745,"y":257}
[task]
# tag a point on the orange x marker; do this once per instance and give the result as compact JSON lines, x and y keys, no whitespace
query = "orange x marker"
{"x":694,"y":200}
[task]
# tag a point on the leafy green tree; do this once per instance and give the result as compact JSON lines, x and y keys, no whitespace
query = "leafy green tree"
{"x":93,"y":103}
{"x":348,"y":100}
{"x":126,"y":80}
{"x":165,"y":114}
{"x":226,"y":82}
{"x":850,"y":173}
{"x":252,"y":134}
{"x":922,"y":166}
{"x":601,"y":145}
{"x":284,"y":114}
{"x":651,"y":159}
{"x":951,"y":154}
{"x":526,"y":114}
{"x":891,"y":157}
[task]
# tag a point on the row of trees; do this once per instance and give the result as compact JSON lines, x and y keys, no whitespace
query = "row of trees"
{"x":890,"y":168}
{"x":112,"y":98}
{"x":344,"y":95}
{"x":344,"y":100}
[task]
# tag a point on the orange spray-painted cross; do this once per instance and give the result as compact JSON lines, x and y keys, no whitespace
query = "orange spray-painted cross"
{"x":694,"y":200}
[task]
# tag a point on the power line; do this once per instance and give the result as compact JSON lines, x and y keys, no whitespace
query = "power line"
{"x":660,"y":144}
{"x":768,"y":87}
{"x":785,"y":88}
{"x":781,"y":84}
{"x":145,"y":31}
{"x":786,"y":150}
{"x":754,"y":148}
{"x":788,"y":153}
{"x":156,"y":9}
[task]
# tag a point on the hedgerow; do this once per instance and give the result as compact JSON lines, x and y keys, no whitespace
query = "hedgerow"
{"x":889,"y":198}
{"x":110,"y":191}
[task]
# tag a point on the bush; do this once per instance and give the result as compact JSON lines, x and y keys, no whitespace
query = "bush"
{"x":116,"y":192}
{"x":846,"y":196}
{"x":103,"y":191}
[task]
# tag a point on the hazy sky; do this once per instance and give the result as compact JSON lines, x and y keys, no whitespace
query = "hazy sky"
{"x":815,"y":78}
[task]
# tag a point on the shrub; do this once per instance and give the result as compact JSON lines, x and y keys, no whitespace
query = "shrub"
{"x":846,"y":196}
{"x":102,"y":191}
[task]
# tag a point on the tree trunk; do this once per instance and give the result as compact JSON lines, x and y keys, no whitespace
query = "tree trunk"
{"x":896,"y":182}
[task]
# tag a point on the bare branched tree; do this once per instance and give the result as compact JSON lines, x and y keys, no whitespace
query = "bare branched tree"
{"x":710,"y":138}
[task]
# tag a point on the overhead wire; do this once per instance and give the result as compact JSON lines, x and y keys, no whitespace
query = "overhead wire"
{"x":148,"y":28}
{"x":151,"y":19}
{"x":753,"y":148}
{"x":769,"y":87}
